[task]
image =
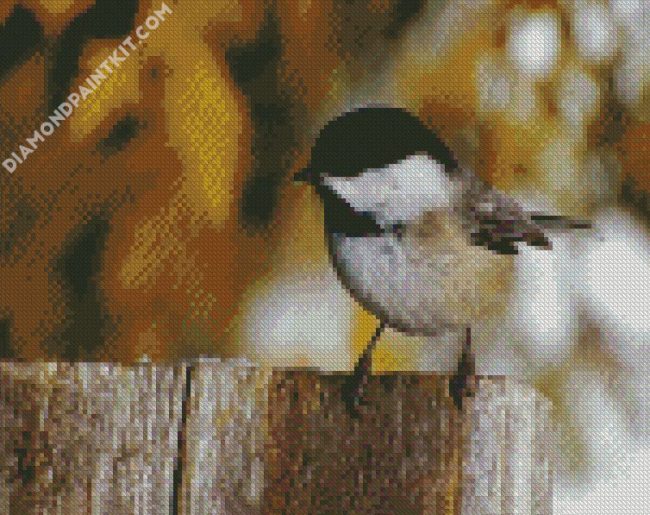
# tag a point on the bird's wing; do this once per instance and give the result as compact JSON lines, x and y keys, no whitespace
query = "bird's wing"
{"x":496,"y":221}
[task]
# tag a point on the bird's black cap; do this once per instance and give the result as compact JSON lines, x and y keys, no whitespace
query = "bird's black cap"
{"x":371,"y":137}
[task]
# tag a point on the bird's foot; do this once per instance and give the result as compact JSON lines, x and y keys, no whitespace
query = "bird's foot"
{"x":462,"y":383}
{"x":354,"y":388}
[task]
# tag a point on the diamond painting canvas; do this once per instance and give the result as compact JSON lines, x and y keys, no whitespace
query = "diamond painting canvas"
{"x":324,"y":256}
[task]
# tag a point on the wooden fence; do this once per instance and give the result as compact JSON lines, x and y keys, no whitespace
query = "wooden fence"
{"x":224,"y":437}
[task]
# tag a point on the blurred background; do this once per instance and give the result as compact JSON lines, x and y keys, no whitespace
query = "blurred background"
{"x":159,"y":220}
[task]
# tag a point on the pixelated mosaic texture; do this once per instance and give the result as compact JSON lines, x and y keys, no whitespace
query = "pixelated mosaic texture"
{"x":157,"y":221}
{"x":224,"y":437}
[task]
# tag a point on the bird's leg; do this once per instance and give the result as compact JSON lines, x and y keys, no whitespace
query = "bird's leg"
{"x":460,"y":385}
{"x":354,"y":387}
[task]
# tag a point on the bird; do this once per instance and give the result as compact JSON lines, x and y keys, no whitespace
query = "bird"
{"x":416,"y":239}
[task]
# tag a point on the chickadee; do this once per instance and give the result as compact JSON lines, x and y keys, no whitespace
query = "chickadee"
{"x":416,"y":239}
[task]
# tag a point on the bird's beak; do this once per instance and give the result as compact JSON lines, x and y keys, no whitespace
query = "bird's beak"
{"x":304,"y":175}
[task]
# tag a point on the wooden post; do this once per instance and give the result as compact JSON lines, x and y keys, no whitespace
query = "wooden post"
{"x":224,"y":437}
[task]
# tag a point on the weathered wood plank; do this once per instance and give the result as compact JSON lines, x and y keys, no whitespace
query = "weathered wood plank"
{"x":88,"y":438}
{"x":222,"y":437}
{"x":506,"y":451}
{"x":399,"y":456}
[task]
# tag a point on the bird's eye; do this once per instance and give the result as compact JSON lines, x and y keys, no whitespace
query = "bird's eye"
{"x":397,"y":229}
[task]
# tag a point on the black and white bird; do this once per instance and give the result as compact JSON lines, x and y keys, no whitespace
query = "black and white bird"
{"x":418,"y":240}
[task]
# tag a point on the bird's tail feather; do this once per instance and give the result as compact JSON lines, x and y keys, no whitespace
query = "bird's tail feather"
{"x":558,"y":222}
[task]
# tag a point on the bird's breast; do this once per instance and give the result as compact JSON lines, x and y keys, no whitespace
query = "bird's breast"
{"x":427,"y":278}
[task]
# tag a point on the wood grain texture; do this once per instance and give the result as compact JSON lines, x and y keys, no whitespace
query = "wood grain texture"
{"x":397,"y":456}
{"x":88,"y":438}
{"x":215,"y":436}
{"x":224,"y":437}
{"x":507,"y":440}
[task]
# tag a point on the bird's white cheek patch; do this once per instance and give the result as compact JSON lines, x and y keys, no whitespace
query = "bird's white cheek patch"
{"x":402,"y":191}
